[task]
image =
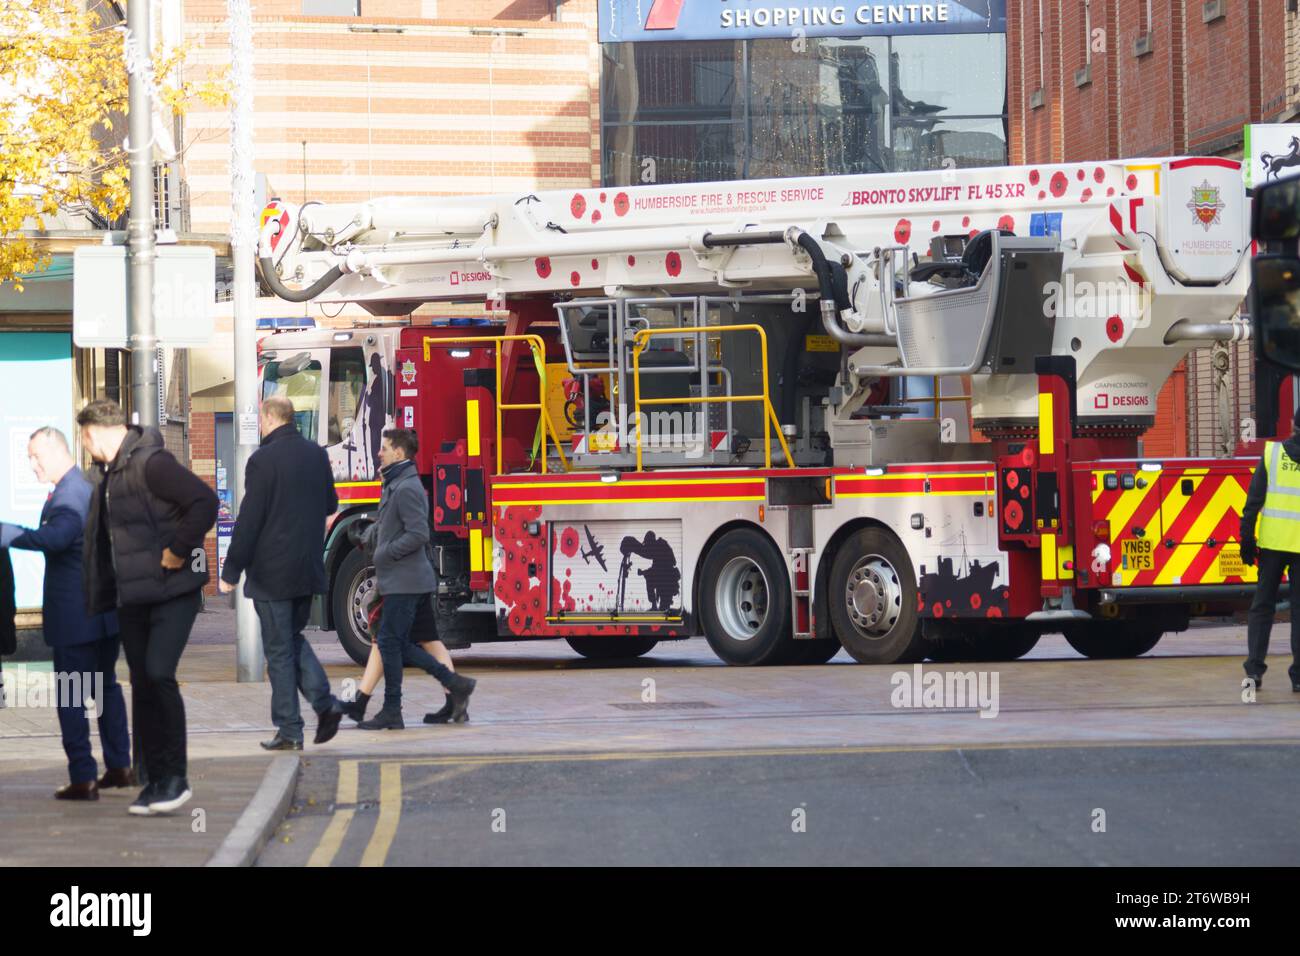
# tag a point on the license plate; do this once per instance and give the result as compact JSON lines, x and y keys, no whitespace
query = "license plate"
{"x":1138,"y":555}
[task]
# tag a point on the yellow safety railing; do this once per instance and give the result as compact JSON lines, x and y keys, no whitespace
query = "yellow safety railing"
{"x":538,"y":348}
{"x":642,"y":341}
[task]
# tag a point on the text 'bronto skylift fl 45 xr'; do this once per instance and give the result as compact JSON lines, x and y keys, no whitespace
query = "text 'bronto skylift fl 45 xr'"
{"x":898,"y":414}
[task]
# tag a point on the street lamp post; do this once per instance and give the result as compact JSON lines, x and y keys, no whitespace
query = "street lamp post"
{"x":142,"y":336}
{"x":243,"y":246}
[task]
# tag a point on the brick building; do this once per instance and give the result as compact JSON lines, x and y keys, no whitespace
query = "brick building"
{"x":408,"y":97}
{"x":1098,"y":79}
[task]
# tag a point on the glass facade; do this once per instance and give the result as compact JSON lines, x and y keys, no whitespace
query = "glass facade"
{"x":700,"y":110}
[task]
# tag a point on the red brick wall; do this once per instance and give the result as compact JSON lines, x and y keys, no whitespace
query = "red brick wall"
{"x":1168,"y":436}
{"x":203,"y":456}
{"x":1191,"y":94}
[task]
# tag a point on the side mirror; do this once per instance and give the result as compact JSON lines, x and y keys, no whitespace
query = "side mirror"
{"x":1275,"y":212}
{"x":1275,"y":307}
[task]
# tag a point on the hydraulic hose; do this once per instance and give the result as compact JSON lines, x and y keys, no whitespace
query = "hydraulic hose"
{"x":835,"y":299}
{"x":267,"y":269}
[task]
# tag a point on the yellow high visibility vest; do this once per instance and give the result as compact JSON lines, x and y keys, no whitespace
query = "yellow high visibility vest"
{"x":1279,"y":521}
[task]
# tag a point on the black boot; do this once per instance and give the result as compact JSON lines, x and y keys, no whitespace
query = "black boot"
{"x":356,"y":709}
{"x":327,"y":724}
{"x":384,"y":720}
{"x":440,"y":716}
{"x":458,"y":690}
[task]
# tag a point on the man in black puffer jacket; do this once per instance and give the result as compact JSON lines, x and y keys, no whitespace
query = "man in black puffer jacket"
{"x":144,"y":555}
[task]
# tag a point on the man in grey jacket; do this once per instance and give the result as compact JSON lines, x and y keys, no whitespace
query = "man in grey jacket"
{"x":399,"y":544}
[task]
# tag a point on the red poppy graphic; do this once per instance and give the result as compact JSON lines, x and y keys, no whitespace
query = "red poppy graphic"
{"x":902,"y":231}
{"x":577,"y":205}
{"x":673,"y":263}
{"x":621,"y":204}
{"x":595,"y":216}
{"x":1114,"y":328}
{"x":1131,"y":182}
{"x":451,"y":496}
{"x":1099,"y":174}
{"x":569,"y":542}
{"x":543,"y":267}
{"x":1033,"y":177}
{"x":574,"y":278}
{"x":1008,"y":223}
{"x":1059,"y":184}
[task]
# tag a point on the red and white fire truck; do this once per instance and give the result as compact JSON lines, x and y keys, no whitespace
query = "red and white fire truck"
{"x":899,"y":414}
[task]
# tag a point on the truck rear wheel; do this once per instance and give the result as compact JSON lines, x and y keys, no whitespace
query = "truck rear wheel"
{"x":611,"y":648}
{"x":1113,"y":640}
{"x":745,"y":600}
{"x":355,"y":592}
{"x":873,"y":600}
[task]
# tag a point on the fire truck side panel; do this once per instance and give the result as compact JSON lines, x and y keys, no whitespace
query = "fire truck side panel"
{"x":575,"y":555}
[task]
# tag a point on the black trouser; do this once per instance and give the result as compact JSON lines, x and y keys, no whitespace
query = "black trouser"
{"x":1271,"y":566}
{"x":154,"y":636}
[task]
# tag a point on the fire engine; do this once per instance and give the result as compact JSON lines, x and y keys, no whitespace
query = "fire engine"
{"x":898,"y":414}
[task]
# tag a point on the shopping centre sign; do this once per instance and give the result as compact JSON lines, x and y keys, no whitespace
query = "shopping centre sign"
{"x":623,"y":20}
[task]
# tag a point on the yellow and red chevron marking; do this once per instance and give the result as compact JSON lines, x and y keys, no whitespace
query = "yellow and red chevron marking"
{"x":357,"y":492}
{"x":1167,"y":513}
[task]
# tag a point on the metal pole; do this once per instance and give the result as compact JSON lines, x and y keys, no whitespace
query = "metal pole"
{"x":141,"y":333}
{"x":243,"y":247}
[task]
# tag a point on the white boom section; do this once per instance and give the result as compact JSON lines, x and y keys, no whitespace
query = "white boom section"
{"x":1152,"y":249}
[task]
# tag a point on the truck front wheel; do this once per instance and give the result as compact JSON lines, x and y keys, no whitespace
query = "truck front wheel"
{"x":873,"y":600}
{"x":355,"y":592}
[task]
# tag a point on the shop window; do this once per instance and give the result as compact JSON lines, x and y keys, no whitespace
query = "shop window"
{"x":695,"y":111}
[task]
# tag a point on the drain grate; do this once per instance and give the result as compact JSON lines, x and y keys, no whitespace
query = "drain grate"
{"x":668,"y":705}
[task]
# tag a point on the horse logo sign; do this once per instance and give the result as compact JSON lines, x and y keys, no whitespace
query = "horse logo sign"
{"x":1206,"y":205}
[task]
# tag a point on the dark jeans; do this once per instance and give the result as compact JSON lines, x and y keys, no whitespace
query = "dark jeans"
{"x":1262,"y":609}
{"x":291,"y":663}
{"x":154,"y":637}
{"x":87,"y":660}
{"x":397,"y":651}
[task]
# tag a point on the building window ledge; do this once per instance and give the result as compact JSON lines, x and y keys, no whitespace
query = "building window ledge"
{"x":1083,"y":75}
{"x":1144,"y":44}
{"x":1036,"y":99}
{"x":1212,"y":10}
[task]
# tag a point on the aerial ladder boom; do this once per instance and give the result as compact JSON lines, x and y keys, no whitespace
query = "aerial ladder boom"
{"x":1122,"y":265}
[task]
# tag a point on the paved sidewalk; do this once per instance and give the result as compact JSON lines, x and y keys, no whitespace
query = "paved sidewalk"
{"x":37,"y":830}
{"x":542,"y":698}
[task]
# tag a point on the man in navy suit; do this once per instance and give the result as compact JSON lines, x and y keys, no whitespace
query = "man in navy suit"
{"x":84,"y":645}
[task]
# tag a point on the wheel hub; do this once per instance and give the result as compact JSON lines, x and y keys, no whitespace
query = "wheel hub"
{"x":742,"y":598}
{"x":874,"y":596}
{"x":364,"y":594}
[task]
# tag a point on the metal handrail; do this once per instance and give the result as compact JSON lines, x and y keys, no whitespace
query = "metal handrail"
{"x":642,"y":341}
{"x":538,"y":348}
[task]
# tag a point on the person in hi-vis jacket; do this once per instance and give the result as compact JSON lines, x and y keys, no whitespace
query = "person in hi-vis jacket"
{"x":1273,"y":500}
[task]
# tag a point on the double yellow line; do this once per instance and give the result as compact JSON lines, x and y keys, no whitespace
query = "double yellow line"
{"x":345,"y":803}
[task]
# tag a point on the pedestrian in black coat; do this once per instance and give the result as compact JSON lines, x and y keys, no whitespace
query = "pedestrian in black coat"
{"x":144,"y":554}
{"x":279,"y":540}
